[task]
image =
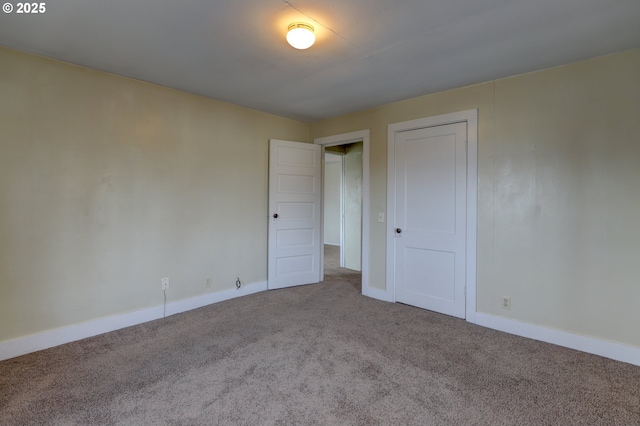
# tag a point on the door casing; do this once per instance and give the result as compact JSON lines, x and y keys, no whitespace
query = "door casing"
{"x":470,"y":117}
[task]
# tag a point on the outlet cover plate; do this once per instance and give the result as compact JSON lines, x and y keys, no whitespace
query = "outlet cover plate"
{"x":506,"y":302}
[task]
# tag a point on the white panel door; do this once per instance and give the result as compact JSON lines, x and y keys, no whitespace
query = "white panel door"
{"x":295,"y":193}
{"x":430,"y":212}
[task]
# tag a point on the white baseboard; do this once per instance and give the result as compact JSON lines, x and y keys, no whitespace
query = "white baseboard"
{"x":613,"y":350}
{"x":210,"y":298}
{"x":59,"y":336}
{"x":50,"y":338}
{"x":376,"y":294}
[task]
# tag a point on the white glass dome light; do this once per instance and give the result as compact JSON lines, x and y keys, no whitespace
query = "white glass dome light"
{"x":301,"y":35}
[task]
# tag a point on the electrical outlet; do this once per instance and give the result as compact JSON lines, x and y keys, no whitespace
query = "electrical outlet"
{"x":208,"y":282}
{"x":506,"y":302}
{"x":165,"y":283}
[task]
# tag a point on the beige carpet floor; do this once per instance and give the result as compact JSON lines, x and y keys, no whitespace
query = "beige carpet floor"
{"x":317,"y":354}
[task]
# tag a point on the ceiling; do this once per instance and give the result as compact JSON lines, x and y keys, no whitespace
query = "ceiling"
{"x":368,"y":52}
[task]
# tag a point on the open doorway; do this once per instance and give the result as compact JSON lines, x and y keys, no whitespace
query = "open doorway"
{"x":343,"y":204}
{"x":333,"y":209}
{"x":350,"y":182}
{"x":343,"y":212}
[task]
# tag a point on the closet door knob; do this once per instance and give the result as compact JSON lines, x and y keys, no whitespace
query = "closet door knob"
{"x":398,"y":231}
{"x":275,"y":215}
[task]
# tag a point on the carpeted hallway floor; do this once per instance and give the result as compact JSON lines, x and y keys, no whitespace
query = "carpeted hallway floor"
{"x":317,"y":354}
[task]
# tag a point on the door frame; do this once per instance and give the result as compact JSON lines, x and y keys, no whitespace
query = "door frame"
{"x":342,"y":139}
{"x":470,"y":117}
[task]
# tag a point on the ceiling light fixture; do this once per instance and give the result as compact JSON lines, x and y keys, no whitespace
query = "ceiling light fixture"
{"x":301,"y":35}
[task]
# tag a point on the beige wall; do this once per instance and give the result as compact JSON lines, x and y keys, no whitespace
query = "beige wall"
{"x":108,"y":184}
{"x":559,"y":192}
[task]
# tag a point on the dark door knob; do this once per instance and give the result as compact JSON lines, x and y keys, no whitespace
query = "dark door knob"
{"x":275,"y":215}
{"x":398,"y":231}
